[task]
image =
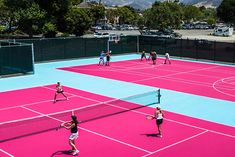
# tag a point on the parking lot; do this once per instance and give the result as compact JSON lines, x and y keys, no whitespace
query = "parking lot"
{"x":204,"y":34}
{"x":190,"y":34}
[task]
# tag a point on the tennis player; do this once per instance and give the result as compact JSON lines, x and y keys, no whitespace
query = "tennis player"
{"x":102,"y":55}
{"x":72,"y":126}
{"x":150,"y":55}
{"x":143,"y":55}
{"x":154,"y":57}
{"x":108,"y":56}
{"x":59,"y":90}
{"x":159,"y":120}
{"x":167,"y":58}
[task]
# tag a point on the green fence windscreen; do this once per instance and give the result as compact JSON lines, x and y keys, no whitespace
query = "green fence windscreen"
{"x":67,"y":48}
{"x":16,"y":58}
{"x":195,"y":49}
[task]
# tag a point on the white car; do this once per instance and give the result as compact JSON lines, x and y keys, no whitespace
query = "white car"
{"x":101,"y":34}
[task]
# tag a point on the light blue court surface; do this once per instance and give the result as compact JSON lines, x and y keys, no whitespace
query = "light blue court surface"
{"x":210,"y":109}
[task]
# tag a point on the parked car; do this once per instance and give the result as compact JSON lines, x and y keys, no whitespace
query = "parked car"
{"x":223,"y":31}
{"x":166,"y":33}
{"x":101,"y":34}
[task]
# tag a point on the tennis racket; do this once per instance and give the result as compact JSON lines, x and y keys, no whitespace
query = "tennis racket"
{"x":150,"y":117}
{"x":64,"y":124}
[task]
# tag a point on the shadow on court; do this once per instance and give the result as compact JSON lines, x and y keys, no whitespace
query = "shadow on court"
{"x":62,"y":152}
{"x":151,"y":135}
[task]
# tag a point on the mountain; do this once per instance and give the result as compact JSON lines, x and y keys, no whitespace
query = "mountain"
{"x":206,"y":3}
{"x":143,"y":4}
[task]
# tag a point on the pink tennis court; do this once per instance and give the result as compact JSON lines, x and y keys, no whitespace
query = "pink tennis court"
{"x":209,"y":80}
{"x":118,"y":127}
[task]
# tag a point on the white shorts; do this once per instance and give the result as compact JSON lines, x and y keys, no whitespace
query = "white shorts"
{"x":73,"y":136}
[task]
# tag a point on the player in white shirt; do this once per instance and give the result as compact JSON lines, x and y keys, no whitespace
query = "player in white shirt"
{"x":167,"y":58}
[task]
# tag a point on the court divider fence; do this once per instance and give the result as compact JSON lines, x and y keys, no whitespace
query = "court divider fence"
{"x":16,"y":58}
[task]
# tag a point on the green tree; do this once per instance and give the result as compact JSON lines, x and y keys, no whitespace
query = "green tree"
{"x":56,"y":11}
{"x":3,"y":12}
{"x":9,"y":10}
{"x":97,"y":12}
{"x":209,"y":15}
{"x":49,"y":30}
{"x":126,"y":15}
{"x":226,"y":11}
{"x":191,"y":13}
{"x":77,"y":21}
{"x":163,"y":15}
{"x":31,"y":19}
{"x":111,"y":15}
{"x":75,"y":2}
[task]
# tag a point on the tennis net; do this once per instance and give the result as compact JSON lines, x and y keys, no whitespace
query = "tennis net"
{"x":45,"y":122}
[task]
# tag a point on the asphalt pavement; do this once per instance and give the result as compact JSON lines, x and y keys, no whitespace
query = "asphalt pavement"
{"x":190,"y":34}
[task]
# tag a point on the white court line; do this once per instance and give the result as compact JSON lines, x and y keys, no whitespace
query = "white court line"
{"x":110,"y":138}
{"x":108,"y":103}
{"x":143,"y":67}
{"x":39,"y":102}
{"x":181,"y":71}
{"x":226,"y":87}
{"x":214,"y":84}
{"x":175,"y":65}
{"x":51,"y":114}
{"x":199,"y":83}
{"x":71,"y":94}
{"x":184,"y":72}
{"x":148,"y":74}
{"x":113,"y":139}
{"x":228,"y":79}
{"x":112,"y":68}
{"x":6,"y":153}
{"x":232,"y":78}
{"x":205,"y":130}
{"x":20,"y":120}
{"x":186,"y":139}
{"x":30,"y":104}
{"x":221,"y":85}
{"x":43,"y":114}
{"x":174,"y":121}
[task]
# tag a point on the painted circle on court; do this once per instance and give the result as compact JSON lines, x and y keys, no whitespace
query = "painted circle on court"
{"x":225,"y":86}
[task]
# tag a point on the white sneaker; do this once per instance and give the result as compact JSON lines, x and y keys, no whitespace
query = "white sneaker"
{"x":75,"y":152}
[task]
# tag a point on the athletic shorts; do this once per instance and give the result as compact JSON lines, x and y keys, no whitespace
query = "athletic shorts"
{"x":159,"y":121}
{"x":73,"y":136}
{"x":60,"y":91}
